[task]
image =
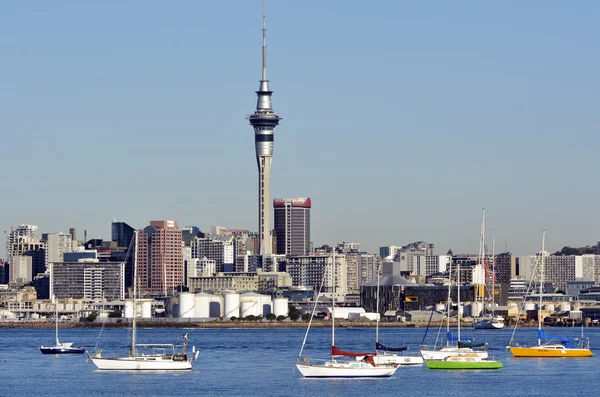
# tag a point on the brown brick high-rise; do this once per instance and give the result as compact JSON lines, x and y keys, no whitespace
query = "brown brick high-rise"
{"x":160,"y":258}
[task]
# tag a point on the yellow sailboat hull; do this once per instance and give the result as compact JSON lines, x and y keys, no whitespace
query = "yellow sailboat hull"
{"x":550,"y":351}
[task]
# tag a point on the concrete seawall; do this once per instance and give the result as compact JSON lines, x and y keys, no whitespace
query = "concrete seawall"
{"x":226,"y":324}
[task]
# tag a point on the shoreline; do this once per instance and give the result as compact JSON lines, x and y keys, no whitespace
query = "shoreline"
{"x":230,"y":324}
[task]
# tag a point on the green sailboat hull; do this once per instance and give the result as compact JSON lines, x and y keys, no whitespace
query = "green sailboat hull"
{"x":441,"y":364}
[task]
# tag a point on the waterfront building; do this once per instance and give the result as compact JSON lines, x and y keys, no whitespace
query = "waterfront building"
{"x":160,"y":258}
{"x":241,"y":282}
{"x":292,"y":225}
{"x":311,"y":270}
{"x":398,"y":294}
{"x":89,"y":279}
{"x":264,"y":121}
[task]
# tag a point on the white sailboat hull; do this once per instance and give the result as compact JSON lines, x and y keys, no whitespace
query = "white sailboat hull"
{"x":487,"y":324}
{"x":394,"y":359}
{"x":443,"y":353}
{"x":142,"y":363}
{"x":350,"y":369}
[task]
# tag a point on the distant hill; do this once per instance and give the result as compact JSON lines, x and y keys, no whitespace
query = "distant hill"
{"x":577,"y":251}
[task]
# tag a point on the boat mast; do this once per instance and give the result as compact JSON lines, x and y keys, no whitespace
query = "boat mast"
{"x":458,"y":299}
{"x":56,"y":319}
{"x":541,"y":287}
{"x":133,"y":332}
{"x":493,"y":273}
{"x":479,"y":295}
{"x":449,"y":302}
{"x":377,"y":306}
{"x":333,"y":304}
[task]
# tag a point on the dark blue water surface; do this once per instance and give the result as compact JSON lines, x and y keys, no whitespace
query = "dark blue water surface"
{"x":260,"y":362}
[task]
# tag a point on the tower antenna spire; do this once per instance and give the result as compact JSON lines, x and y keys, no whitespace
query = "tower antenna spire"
{"x":264,"y":120}
{"x":264,"y":45}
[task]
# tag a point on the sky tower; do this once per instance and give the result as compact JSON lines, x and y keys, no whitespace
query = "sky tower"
{"x":264,"y":121}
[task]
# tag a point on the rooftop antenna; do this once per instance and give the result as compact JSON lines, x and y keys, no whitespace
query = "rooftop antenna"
{"x":264,"y":46}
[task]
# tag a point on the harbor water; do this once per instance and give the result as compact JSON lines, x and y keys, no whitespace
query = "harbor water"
{"x":260,"y":362}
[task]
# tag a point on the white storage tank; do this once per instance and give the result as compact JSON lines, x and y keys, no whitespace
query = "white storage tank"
{"x":266,"y":305}
{"x":146,"y":309}
{"x":231,"y":304}
{"x":565,"y":307}
{"x":186,"y":305}
{"x":128,"y":311}
{"x":202,"y":305}
{"x":280,"y":306}
{"x":440,"y":307}
{"x":250,"y":305}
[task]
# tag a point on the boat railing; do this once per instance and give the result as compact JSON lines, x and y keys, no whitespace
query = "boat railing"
{"x":311,"y":361}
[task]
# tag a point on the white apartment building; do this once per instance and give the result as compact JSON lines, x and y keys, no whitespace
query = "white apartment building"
{"x":352,"y":273}
{"x":220,"y":248}
{"x":368,"y":266}
{"x":20,"y":270}
{"x":558,"y":269}
{"x":314,"y":269}
{"x":205,"y":267}
{"x":56,"y":246}
{"x":22,"y":239}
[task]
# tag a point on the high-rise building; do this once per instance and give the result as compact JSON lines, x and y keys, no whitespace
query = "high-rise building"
{"x":88,"y":279}
{"x":264,"y":121}
{"x":38,"y":261}
{"x":390,"y":250}
{"x":56,"y":246}
{"x":292,"y":225}
{"x":20,"y":270}
{"x":313,"y":269}
{"x":23,"y":238}
{"x":220,"y":248}
{"x":558,"y":269}
{"x":407,"y":252}
{"x":506,"y":267}
{"x":121,"y":233}
{"x":160,"y":258}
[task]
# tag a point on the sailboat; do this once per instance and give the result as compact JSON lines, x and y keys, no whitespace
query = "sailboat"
{"x":332,"y":368}
{"x":162,"y":357}
{"x":387,"y":355}
{"x":461,"y":360}
{"x":60,"y":348}
{"x":454,"y":344}
{"x":548,"y":345}
{"x":487,"y":320}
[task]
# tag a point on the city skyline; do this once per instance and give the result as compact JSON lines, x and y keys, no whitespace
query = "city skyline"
{"x":458,"y":109}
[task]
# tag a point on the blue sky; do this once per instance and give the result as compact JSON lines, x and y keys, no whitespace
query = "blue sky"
{"x":401,"y":120}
